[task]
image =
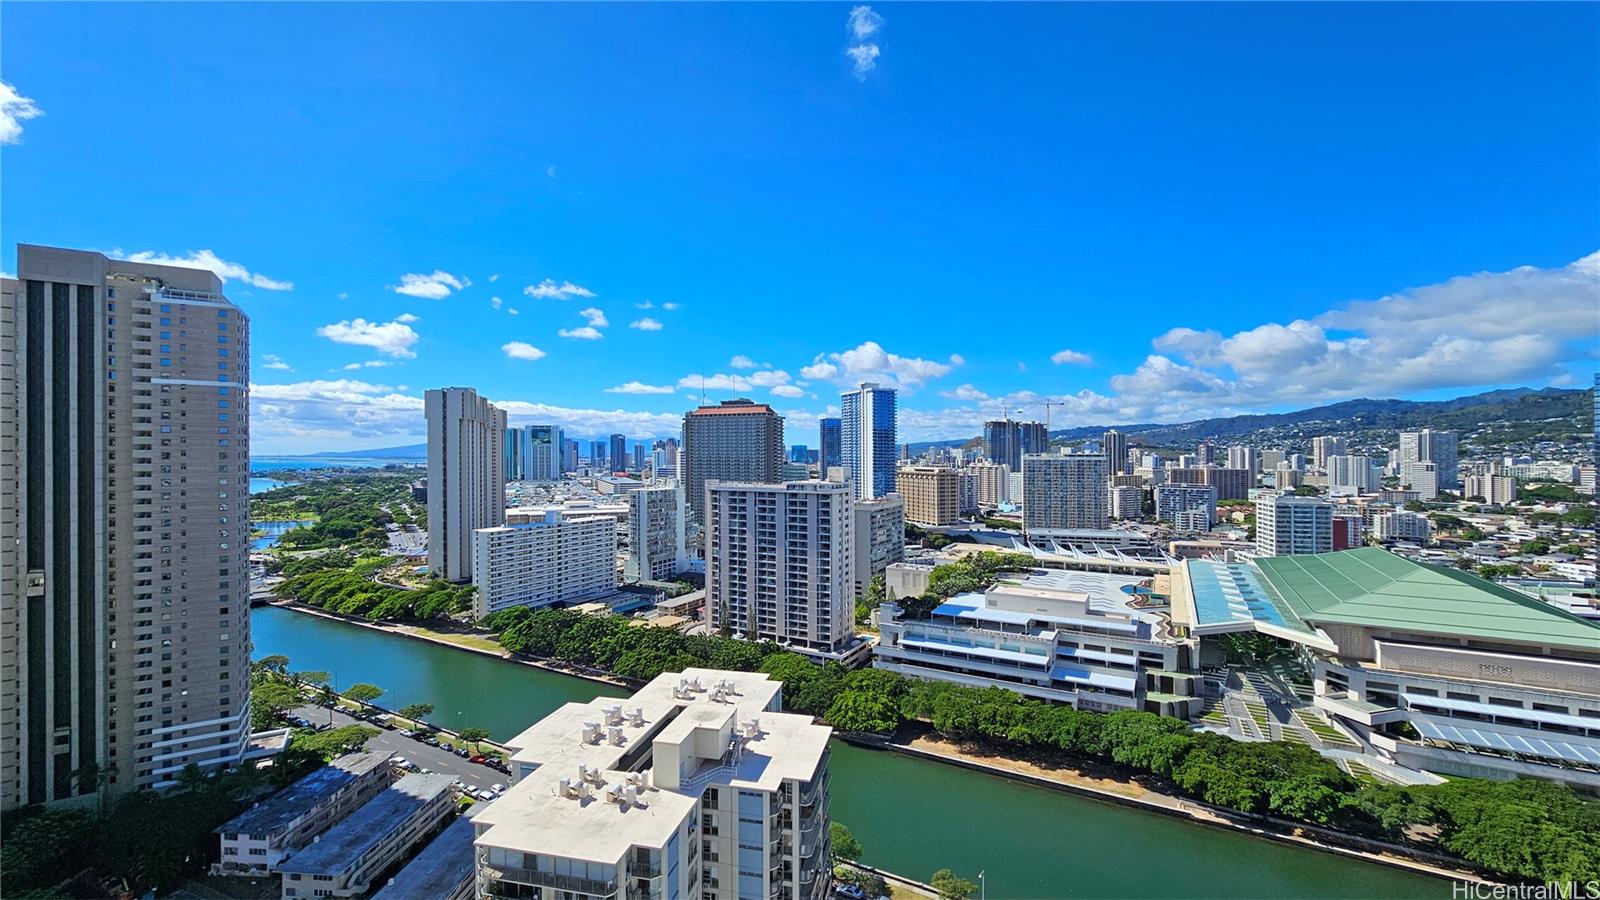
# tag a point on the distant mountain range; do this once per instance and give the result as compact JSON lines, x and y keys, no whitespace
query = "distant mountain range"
{"x":1568,"y":411}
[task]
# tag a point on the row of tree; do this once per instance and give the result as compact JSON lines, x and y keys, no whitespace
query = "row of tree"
{"x":354,"y":592}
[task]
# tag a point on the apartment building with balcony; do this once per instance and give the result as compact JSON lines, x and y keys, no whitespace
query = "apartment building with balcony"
{"x":696,"y":786}
{"x":254,"y":842}
{"x":547,"y":561}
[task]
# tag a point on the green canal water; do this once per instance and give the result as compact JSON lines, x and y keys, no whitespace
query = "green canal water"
{"x":912,"y":816}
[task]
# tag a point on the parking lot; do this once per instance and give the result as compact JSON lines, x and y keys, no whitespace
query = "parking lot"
{"x":475,"y":776}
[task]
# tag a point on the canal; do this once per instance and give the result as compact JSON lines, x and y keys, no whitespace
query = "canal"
{"x":912,"y":816}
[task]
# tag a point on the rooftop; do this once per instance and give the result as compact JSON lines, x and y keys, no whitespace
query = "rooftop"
{"x":340,"y":846}
{"x":281,"y":809}
{"x":1377,"y":589}
{"x":444,"y":864}
{"x":534,"y":816}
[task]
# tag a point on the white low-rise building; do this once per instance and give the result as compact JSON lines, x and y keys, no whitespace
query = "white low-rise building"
{"x":257,"y":840}
{"x":545,"y":562}
{"x":698,"y":786}
{"x":344,"y":861}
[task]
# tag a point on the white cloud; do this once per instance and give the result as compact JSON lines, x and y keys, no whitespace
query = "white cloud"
{"x":205,"y":259}
{"x":493,"y":278}
{"x":393,"y":338}
{"x":645,"y":324}
{"x":511,"y":311}
{"x":870,"y":362}
{"x":965,"y":392}
{"x":368,"y":364}
{"x":407,"y":318}
{"x":644,"y":304}
{"x":1061,"y":357}
{"x":522,"y":350}
{"x":639,"y":387}
{"x":586,"y":333}
{"x":14,"y":110}
{"x":429,"y":287}
{"x":550,"y":171}
{"x":494,"y":302}
{"x":864,"y":23}
{"x":744,"y":362}
{"x":669,"y":306}
{"x":778,"y":381}
{"x":787,"y":390}
{"x":864,"y":58}
{"x":344,"y":295}
{"x":595,"y":316}
{"x":548,"y":289}
{"x":273,"y":361}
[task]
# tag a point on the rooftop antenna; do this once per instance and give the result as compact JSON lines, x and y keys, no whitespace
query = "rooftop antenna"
{"x":702,"y":387}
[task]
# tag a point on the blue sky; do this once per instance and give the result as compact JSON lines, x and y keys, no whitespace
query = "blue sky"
{"x":1141,"y":212}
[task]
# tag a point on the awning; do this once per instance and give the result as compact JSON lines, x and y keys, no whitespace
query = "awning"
{"x":1507,"y":742}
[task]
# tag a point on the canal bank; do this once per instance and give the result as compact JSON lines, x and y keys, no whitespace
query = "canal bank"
{"x":913,"y":816}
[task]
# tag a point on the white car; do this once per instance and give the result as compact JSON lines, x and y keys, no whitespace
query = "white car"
{"x":497,"y":788}
{"x":484,"y":795}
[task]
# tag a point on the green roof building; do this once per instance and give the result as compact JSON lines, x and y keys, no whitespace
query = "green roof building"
{"x":1428,"y":667}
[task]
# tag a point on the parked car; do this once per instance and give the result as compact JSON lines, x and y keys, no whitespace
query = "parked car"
{"x":406,"y":732}
{"x":432,"y":742}
{"x":497,"y":788}
{"x":484,"y":795}
{"x":849,"y":891}
{"x":477,"y":758}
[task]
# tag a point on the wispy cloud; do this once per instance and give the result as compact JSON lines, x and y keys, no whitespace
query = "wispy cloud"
{"x":274,"y":361}
{"x":14,"y":110}
{"x":494,"y":302}
{"x":870,"y":362}
{"x":522,"y":350}
{"x":669,"y":306}
{"x":862,"y":24}
{"x":205,"y":259}
{"x":368,"y":364}
{"x":645,"y":324}
{"x":966,"y":393}
{"x":394,"y":338}
{"x":590,"y":332}
{"x":548,"y":289}
{"x":436,"y":286}
{"x":639,"y":387}
{"x":1073,"y":357}
{"x":644,"y":304}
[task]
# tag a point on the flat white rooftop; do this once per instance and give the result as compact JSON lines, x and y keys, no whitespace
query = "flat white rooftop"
{"x":534,"y":816}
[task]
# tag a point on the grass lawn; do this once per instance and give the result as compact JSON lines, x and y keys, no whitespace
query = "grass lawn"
{"x":475,"y":641}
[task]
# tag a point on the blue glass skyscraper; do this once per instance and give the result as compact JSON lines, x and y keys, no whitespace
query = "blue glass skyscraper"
{"x":867,"y":439}
{"x":828,"y":444}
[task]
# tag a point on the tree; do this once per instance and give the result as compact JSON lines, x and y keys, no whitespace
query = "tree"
{"x":863,"y":711}
{"x":416,"y":712}
{"x":845,"y":845}
{"x":473,"y":736}
{"x":363,"y":692}
{"x":950,"y":886}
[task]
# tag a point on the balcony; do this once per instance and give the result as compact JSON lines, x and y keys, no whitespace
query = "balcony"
{"x":591,"y":886}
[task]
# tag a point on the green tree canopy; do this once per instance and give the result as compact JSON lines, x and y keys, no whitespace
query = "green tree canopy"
{"x":363,"y":692}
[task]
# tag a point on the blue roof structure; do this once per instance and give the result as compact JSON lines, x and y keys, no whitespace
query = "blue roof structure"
{"x":1232,"y":593}
{"x":281,"y":810}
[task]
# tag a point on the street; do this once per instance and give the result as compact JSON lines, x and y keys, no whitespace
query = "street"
{"x":475,"y":776}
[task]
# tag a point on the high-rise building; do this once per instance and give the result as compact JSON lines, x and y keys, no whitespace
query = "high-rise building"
{"x":1346,"y":531}
{"x":1243,"y":457}
{"x":1286,"y":525}
{"x":1352,"y":473}
{"x":541,"y":452}
{"x":1422,"y":477}
{"x":544,"y":562}
{"x":1115,"y":447}
{"x":466,"y":476}
{"x":617,"y":453}
{"x":1032,"y":437}
{"x":664,"y":458}
{"x":1002,"y":443}
{"x":799,"y":453}
{"x":1174,"y":500}
{"x":780,"y":562}
{"x":1437,"y":447}
{"x":880,"y":530}
{"x":828,"y":450}
{"x":655,"y":533}
{"x":636,"y":798}
{"x":124,"y":526}
{"x":736,"y":440}
{"x":512,"y":463}
{"x":1400,"y":525}
{"x":1207,"y":453}
{"x":1231,"y":484}
{"x":932,"y":494}
{"x":597,"y":456}
{"x":994,"y":484}
{"x":1062,"y":491}
{"x":1126,"y":501}
{"x":569,"y":456}
{"x":1494,"y":489}
{"x":867,"y":439}
{"x":1324,"y":447}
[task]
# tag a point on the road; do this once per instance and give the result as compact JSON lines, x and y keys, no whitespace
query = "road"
{"x":475,"y":776}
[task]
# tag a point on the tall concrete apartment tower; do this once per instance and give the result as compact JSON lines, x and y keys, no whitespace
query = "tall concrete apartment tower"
{"x":867,"y":439}
{"x":736,"y":440}
{"x":124,"y":526}
{"x":1063,"y":491}
{"x":1115,"y":447}
{"x":780,"y":562}
{"x":1437,"y":447}
{"x":466,"y":476}
{"x":1286,"y":525}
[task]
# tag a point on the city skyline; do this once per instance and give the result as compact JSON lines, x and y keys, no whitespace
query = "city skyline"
{"x":1330,"y":239}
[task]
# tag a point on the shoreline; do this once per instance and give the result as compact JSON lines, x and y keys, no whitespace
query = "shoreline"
{"x":940,"y":750}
